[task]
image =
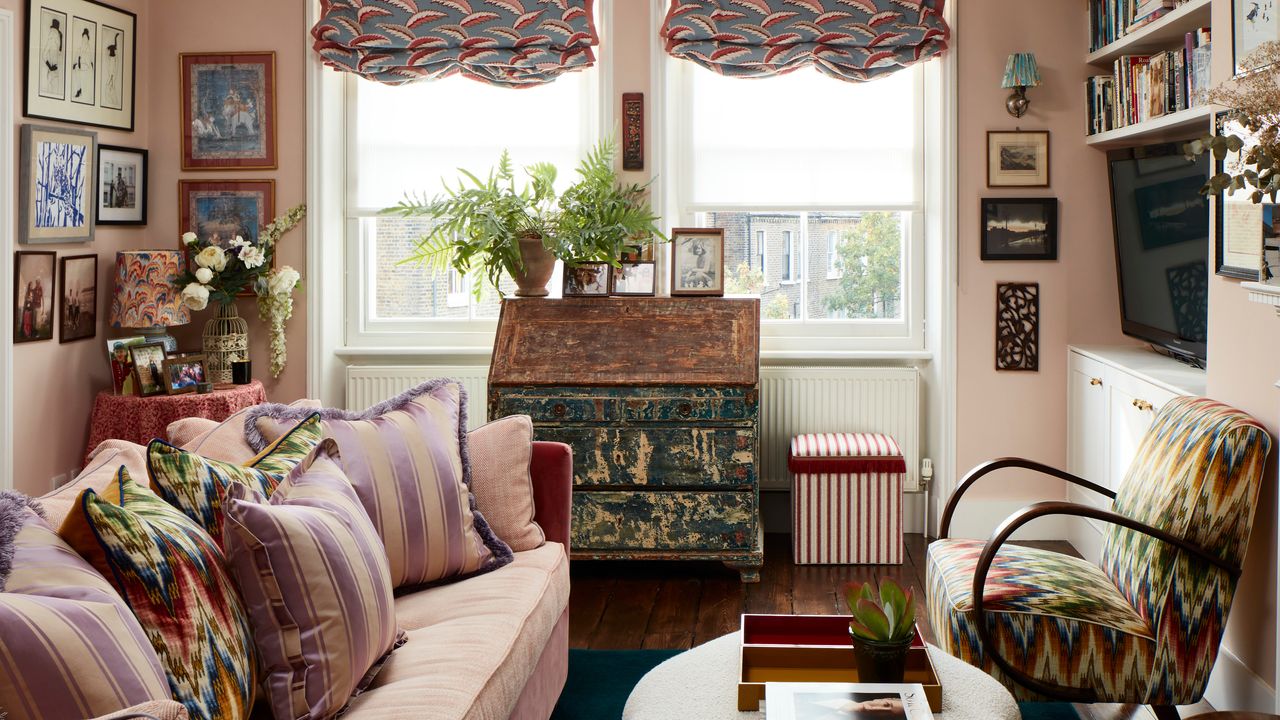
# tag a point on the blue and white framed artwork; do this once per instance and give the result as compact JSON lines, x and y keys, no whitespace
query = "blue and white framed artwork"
{"x":56,"y":185}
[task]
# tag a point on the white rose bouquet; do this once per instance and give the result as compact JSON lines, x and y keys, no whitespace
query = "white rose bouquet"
{"x":220,"y":269}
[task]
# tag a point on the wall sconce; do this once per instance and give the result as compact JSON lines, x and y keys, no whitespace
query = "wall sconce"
{"x":1020,"y":73}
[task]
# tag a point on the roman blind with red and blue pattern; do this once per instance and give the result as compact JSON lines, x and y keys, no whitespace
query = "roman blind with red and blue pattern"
{"x":853,"y":40}
{"x":513,"y":43}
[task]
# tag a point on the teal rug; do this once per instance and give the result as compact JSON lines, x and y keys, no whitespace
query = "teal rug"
{"x":601,"y":680}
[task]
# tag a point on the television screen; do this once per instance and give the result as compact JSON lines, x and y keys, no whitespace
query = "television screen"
{"x":1162,"y":245}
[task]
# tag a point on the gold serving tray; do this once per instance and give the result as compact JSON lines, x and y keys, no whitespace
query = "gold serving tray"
{"x":776,"y":662}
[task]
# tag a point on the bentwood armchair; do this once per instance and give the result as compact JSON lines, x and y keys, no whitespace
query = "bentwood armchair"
{"x":1144,"y":625}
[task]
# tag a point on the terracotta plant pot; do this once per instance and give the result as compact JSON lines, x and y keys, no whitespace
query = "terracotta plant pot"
{"x":539,"y":264}
{"x":880,"y":662}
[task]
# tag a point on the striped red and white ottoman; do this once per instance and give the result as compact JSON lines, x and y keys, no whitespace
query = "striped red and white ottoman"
{"x":846,"y":499}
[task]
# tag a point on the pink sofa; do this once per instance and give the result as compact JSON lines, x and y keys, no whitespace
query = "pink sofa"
{"x":491,"y":647}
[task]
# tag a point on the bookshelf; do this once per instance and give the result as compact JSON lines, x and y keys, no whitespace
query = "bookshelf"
{"x":1162,"y":34}
{"x":1174,"y":126}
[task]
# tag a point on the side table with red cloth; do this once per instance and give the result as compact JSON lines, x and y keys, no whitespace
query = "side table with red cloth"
{"x":142,"y":419}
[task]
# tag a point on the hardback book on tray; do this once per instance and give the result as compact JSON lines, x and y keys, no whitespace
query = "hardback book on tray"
{"x":845,"y":701}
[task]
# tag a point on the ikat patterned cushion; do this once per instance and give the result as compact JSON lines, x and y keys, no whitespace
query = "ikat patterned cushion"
{"x":173,"y":576}
{"x":195,"y":484}
{"x":315,"y":579}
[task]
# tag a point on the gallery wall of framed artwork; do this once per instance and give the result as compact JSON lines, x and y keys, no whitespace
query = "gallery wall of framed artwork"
{"x":56,"y":174}
{"x":122,"y":186}
{"x":228,"y":111}
{"x":80,"y":63}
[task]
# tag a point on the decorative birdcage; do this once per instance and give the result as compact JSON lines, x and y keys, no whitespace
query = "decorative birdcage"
{"x":226,"y":340}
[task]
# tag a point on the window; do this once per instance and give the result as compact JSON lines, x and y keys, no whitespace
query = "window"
{"x":833,"y":172}
{"x":412,"y":139}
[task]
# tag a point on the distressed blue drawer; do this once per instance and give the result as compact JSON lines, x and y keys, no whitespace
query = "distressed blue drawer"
{"x":680,"y":409}
{"x":669,"y":520}
{"x":557,"y":408}
{"x":696,"y":457}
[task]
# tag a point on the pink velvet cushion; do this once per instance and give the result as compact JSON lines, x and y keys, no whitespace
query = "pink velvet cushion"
{"x":407,"y":459}
{"x":315,"y":579}
{"x":500,"y":455}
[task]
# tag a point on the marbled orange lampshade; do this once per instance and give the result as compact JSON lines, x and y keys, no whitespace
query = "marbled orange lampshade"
{"x":147,"y":295}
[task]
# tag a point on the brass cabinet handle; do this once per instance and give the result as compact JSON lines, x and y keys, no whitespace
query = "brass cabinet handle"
{"x":1095,"y":381}
{"x":1142,"y":404}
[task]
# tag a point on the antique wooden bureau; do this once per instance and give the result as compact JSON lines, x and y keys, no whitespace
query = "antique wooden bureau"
{"x":659,"y":398}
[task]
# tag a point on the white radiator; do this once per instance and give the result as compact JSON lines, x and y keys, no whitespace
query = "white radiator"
{"x":796,"y":400}
{"x":793,"y":400}
{"x":369,"y":384}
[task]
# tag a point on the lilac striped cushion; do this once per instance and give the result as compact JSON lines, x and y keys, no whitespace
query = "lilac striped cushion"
{"x":69,"y":646}
{"x":315,"y":579}
{"x":406,"y":459}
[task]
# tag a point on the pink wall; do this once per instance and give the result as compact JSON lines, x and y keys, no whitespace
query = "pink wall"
{"x":54,"y":384}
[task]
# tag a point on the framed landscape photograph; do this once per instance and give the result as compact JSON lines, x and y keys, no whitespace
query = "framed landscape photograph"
{"x":587,"y":280}
{"x":228,"y":110}
{"x":1253,"y":22}
{"x":634,"y":278}
{"x":1018,"y":159}
{"x":182,"y":373}
{"x":55,"y":185}
{"x":80,"y":64}
{"x":122,"y":186}
{"x":34,"y":288}
{"x":78,"y":317}
{"x":1019,"y":229}
{"x":148,"y":368}
{"x":697,"y":261}
{"x":218,"y":211}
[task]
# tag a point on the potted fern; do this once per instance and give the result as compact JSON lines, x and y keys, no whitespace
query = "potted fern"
{"x":882,"y":629}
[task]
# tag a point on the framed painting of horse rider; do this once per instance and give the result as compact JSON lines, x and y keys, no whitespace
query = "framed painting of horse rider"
{"x":228,"y":111}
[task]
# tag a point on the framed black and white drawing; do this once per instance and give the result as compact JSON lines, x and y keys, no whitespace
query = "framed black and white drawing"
{"x":122,"y":185}
{"x":81,"y":58}
{"x":1253,"y":22}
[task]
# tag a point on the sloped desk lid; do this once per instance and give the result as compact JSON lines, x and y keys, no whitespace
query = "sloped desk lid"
{"x":627,"y":341}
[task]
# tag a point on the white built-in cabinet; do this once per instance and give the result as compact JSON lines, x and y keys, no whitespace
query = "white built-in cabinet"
{"x":1113,"y":394}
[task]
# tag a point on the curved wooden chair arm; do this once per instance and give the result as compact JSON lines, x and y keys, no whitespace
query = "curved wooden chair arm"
{"x":1026,"y":515}
{"x":991,"y":466}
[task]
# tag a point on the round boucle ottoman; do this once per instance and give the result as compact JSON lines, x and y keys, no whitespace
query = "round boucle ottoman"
{"x":701,"y":684}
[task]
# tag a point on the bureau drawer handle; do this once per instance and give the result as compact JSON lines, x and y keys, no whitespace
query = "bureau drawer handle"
{"x":1095,"y":381}
{"x":1142,"y":404}
{"x":558,"y":409}
{"x":685,"y":409}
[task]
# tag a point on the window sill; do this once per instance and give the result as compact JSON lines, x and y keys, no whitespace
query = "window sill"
{"x":788,"y":282}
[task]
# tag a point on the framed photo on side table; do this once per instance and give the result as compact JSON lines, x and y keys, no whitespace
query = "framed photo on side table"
{"x":1020,"y":228}
{"x":587,"y":280}
{"x":182,"y":373}
{"x":634,"y":279}
{"x":148,"y":368}
{"x":78,"y":317}
{"x":81,"y":62}
{"x":697,"y":261}
{"x":228,"y":110}
{"x":34,"y":287}
{"x":122,"y":186}
{"x":1018,"y":159}
{"x":56,"y":185}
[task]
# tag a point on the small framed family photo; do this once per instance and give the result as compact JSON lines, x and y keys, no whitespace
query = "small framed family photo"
{"x":182,"y":373}
{"x":1019,"y":228}
{"x":634,"y":278}
{"x":122,"y":363}
{"x":148,"y":368}
{"x":78,"y":276}
{"x":122,"y":185}
{"x":697,"y":261}
{"x":80,"y":63}
{"x":587,"y":280}
{"x":1018,"y":159}
{"x":228,"y":111}
{"x":34,"y":287}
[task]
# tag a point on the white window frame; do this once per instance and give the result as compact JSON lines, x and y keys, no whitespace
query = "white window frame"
{"x":762,"y":254}
{"x":790,"y":257}
{"x":833,"y":260}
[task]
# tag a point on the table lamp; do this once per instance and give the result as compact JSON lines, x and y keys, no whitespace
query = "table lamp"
{"x":1020,"y":73}
{"x":147,"y":298}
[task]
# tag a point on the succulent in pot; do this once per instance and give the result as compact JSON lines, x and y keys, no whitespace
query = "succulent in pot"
{"x":881,"y":630}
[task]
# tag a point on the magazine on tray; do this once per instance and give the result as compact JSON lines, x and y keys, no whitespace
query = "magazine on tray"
{"x":845,"y":701}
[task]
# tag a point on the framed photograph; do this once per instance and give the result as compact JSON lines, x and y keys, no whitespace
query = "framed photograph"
{"x":826,"y":701}
{"x":1019,"y":228}
{"x":697,"y":261}
{"x":587,"y":280}
{"x":228,"y":110}
{"x":218,"y":211}
{"x":81,"y":62}
{"x":148,"y":368}
{"x":1018,"y":159}
{"x":34,"y":287}
{"x":634,"y":278}
{"x":1253,"y":22}
{"x":55,"y":185}
{"x":1241,"y":228}
{"x":78,"y":317}
{"x":122,"y":363}
{"x":182,"y":373}
{"x":122,"y":186}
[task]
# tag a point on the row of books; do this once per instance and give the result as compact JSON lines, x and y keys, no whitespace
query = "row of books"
{"x":1110,"y":20}
{"x":1144,"y":87}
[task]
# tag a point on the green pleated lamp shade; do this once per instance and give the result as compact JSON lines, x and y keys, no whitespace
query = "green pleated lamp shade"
{"x":1021,"y":71}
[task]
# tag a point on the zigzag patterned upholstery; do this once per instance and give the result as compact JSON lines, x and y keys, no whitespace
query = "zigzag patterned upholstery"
{"x":1144,"y":626}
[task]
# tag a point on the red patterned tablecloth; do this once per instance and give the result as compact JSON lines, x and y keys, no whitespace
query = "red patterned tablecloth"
{"x":141,"y":419}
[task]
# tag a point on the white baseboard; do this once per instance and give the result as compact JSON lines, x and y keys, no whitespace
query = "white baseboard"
{"x":979,"y":517}
{"x":1233,"y":686}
